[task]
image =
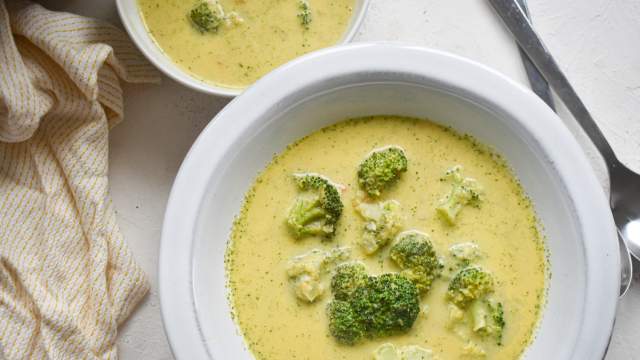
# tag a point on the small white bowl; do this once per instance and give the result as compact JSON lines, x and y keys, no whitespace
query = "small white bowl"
{"x":134,"y":24}
{"x":328,"y":86}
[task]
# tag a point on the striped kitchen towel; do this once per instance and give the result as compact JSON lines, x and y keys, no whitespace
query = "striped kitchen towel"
{"x":67,"y":279}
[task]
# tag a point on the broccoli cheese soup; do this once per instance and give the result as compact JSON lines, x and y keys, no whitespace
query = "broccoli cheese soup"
{"x":386,"y":238}
{"x":232,"y":43}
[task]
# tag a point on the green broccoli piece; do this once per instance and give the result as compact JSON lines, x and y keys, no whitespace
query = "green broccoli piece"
{"x":464,"y":191}
{"x":381,"y":169}
{"x":305,"y":271}
{"x":205,"y":17}
{"x":383,"y":221}
{"x":388,"y":304}
{"x":345,"y":325}
{"x":347,"y":278}
{"x":317,"y":208}
{"x":488,"y":319}
{"x":468,"y":285}
{"x":415,"y":255}
{"x":304,"y":15}
{"x":472,"y":310}
{"x":383,"y":305}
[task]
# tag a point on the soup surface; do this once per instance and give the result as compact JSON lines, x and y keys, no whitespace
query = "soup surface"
{"x":262,"y":35}
{"x":277,"y":325}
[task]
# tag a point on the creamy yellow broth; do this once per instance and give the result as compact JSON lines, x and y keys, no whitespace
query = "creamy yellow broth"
{"x":278,"y":326}
{"x":236,"y":56}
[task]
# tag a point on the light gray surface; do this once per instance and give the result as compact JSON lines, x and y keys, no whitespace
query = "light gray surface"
{"x":592,"y":40}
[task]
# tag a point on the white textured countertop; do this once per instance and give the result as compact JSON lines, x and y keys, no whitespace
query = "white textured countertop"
{"x":595,"y":41}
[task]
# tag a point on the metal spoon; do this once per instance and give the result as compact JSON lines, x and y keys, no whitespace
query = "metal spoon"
{"x":625,"y":184}
{"x":538,"y":84}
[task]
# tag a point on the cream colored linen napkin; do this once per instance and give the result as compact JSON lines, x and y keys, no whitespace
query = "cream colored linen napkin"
{"x":67,"y":279}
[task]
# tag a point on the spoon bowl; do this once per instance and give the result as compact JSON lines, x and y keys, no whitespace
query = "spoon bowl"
{"x":626,"y":267}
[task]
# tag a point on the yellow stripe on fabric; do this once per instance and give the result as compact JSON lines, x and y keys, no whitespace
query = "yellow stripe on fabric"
{"x":13,"y":219}
{"x":77,"y":60}
{"x":20,"y":168}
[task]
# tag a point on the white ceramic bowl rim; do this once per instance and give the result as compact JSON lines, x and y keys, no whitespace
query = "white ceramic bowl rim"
{"x":133,"y":24}
{"x":473,"y":80}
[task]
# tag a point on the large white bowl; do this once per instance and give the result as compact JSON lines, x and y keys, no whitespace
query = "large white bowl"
{"x":357,"y":80}
{"x":134,"y":24}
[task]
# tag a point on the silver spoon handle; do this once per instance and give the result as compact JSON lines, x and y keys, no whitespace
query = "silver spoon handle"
{"x":530,"y":42}
{"x":538,"y":84}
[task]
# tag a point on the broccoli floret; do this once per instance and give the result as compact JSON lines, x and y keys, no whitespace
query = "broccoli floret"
{"x":305,"y":271}
{"x":383,"y":305}
{"x":383,"y":221}
{"x":304,"y":15}
{"x":472,"y":309}
{"x":388,"y":304}
{"x":468,"y":285}
{"x":415,"y":255}
{"x":205,"y":17}
{"x":347,"y":278}
{"x":381,"y":169}
{"x":317,"y":208}
{"x":488,"y":319}
{"x":209,"y":16}
{"x":345,"y":325}
{"x":388,"y":351}
{"x":464,"y":191}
